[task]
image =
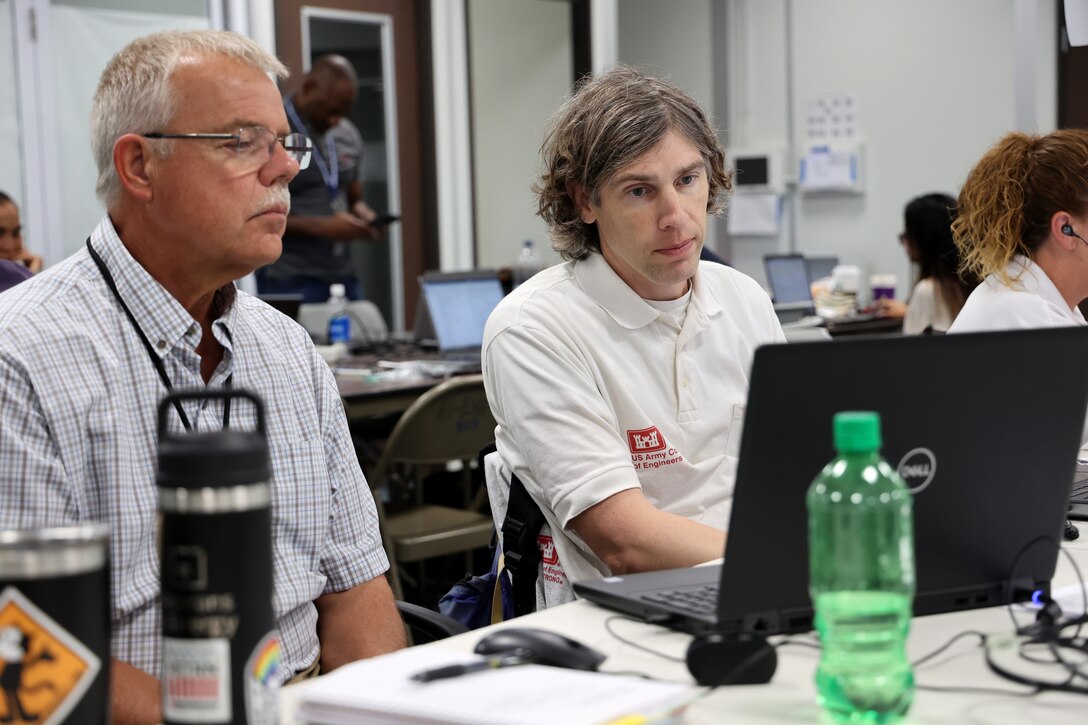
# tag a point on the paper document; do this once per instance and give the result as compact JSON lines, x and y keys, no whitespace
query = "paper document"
{"x":380,"y":690}
{"x":1070,"y":599}
{"x":753,"y":213}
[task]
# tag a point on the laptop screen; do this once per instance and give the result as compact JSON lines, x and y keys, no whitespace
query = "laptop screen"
{"x":788,"y":278}
{"x":820,"y":267}
{"x":459,"y":307}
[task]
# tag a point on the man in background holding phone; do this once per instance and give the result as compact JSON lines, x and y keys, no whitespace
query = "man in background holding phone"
{"x":327,"y":207}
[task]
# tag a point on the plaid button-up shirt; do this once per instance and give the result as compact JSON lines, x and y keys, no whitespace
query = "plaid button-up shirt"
{"x":78,"y":402}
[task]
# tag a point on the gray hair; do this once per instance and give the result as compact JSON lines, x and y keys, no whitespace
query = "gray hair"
{"x":135,"y":93}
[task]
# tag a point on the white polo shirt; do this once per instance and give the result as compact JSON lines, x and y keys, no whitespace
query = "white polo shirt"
{"x":1032,"y":301}
{"x":595,"y":392}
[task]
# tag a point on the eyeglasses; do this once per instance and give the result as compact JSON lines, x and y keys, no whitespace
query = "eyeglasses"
{"x":254,"y":144}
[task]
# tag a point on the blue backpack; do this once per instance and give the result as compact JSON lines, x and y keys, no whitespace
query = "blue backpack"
{"x":473,"y":601}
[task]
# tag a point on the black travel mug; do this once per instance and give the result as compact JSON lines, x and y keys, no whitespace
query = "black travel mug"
{"x":220,"y":646}
{"x":55,"y":625}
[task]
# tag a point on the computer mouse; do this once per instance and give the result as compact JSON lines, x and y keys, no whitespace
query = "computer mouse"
{"x":542,"y":647}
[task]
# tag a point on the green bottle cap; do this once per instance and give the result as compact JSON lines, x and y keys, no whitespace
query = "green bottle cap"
{"x":857,"y":431}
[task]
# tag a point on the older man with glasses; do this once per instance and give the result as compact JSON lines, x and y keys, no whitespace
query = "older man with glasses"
{"x":194,"y":155}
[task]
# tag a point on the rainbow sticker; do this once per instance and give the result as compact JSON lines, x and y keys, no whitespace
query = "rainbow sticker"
{"x":266,"y":660}
{"x":260,"y":681}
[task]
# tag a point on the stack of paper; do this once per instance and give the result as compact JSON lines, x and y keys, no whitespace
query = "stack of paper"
{"x":381,"y":691}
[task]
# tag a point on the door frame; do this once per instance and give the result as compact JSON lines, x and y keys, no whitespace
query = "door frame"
{"x":407,"y":180}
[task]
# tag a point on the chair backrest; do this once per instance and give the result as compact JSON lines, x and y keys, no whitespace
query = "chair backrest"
{"x":367,"y":323}
{"x":450,"y":421}
{"x":425,"y":625}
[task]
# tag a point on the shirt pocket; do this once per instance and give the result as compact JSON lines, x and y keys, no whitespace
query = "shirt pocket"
{"x":736,"y":430}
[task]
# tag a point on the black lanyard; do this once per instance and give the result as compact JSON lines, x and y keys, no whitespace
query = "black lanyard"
{"x":155,"y":360}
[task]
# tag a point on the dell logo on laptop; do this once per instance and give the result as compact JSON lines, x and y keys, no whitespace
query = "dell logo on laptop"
{"x":917,"y":469}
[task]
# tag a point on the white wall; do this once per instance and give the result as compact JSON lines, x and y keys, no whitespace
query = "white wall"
{"x":521,"y":68}
{"x":934,"y":80}
{"x":672,"y":40}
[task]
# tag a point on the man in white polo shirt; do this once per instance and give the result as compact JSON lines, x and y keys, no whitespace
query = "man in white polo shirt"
{"x":618,"y":378}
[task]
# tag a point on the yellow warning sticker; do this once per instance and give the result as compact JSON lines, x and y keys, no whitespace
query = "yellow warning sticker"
{"x":44,"y":670}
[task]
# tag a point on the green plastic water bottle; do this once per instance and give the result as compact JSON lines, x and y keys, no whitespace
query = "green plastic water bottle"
{"x":861,"y":577}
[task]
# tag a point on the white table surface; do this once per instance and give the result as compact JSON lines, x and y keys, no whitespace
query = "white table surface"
{"x":791,"y":695}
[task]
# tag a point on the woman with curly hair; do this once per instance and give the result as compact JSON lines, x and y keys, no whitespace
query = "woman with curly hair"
{"x":1022,"y":218}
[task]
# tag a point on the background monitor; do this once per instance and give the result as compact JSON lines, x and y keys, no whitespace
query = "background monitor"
{"x":788,"y":278}
{"x":820,"y":267}
{"x":459,"y":304}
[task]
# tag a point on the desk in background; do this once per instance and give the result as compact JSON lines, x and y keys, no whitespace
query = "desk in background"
{"x":791,"y":695}
{"x":369,"y":390}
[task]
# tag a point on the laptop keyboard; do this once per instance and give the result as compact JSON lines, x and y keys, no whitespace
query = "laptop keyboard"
{"x":1079,"y":494}
{"x":694,"y":600}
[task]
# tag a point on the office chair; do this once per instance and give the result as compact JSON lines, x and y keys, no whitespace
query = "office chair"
{"x":367,"y":323}
{"x":425,"y":625}
{"x":450,"y":422}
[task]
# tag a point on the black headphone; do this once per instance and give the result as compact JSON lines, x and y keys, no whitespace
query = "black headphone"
{"x":1067,"y":230}
{"x":716,"y":659}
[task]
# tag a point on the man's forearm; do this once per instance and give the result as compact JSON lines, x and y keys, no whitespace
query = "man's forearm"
{"x":629,"y":535}
{"x":357,"y":623}
{"x":135,"y":696}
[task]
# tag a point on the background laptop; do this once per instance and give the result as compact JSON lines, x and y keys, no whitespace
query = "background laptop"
{"x":458,"y":305}
{"x":999,"y":440}
{"x":820,"y":267}
{"x":788,"y":278}
{"x":288,"y":304}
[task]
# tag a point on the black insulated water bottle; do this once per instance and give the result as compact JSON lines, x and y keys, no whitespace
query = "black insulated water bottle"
{"x":220,"y":647}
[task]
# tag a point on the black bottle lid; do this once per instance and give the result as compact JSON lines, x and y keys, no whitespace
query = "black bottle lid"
{"x":212,"y":459}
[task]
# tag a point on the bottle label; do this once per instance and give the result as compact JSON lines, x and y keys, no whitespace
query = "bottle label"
{"x":261,"y":680}
{"x":340,"y":329}
{"x":196,"y":680}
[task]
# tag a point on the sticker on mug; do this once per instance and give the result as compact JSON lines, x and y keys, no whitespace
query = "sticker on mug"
{"x":44,"y":669}
{"x":196,"y":680}
{"x":261,"y":682}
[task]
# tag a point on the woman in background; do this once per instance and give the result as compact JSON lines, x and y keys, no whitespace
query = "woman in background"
{"x":940,"y":292}
{"x":1022,"y":214}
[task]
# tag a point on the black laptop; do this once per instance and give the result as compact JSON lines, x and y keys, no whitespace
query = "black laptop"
{"x":985,"y":437}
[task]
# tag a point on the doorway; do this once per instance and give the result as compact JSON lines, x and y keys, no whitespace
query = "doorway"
{"x":378,"y":37}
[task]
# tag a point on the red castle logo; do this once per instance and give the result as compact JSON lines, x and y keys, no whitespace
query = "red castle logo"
{"x":548,"y":554}
{"x":647,"y":439}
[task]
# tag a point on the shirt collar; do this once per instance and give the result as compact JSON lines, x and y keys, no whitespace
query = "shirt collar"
{"x":598,"y":280}
{"x":163,"y":320}
{"x":1030,"y":277}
